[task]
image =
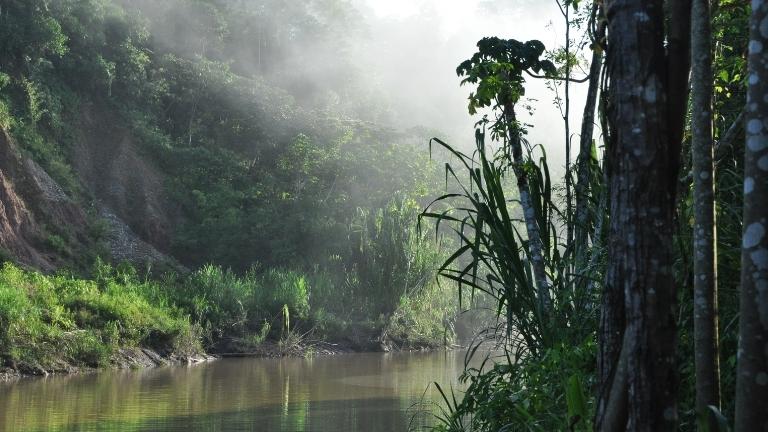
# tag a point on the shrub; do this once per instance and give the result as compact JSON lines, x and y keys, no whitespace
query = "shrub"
{"x":546,"y":395}
{"x":425,"y":318}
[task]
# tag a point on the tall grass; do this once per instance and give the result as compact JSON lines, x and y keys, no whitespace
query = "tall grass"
{"x":48,"y":319}
{"x":383,"y":288}
{"x":226,"y":304}
{"x":493,"y":257}
{"x":391,"y":259}
{"x":545,"y":355}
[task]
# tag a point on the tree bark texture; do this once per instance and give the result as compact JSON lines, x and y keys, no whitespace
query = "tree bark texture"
{"x":752,"y":368}
{"x":705,"y":315}
{"x":646,"y":121}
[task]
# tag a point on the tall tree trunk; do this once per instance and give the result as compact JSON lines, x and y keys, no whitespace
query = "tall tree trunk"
{"x":584,"y":159}
{"x":705,"y":315}
{"x":678,"y":68}
{"x":535,"y":243}
{"x":566,"y":9}
{"x":752,"y":369}
{"x":646,"y":114}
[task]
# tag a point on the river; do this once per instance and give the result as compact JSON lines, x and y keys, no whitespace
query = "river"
{"x":351,"y":392}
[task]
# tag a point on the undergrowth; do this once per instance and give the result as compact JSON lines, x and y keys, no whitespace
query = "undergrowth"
{"x":47,"y":320}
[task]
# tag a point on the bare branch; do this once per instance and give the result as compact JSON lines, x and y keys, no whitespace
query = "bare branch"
{"x":555,"y":78}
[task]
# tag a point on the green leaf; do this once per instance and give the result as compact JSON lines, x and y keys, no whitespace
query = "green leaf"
{"x":577,"y":406}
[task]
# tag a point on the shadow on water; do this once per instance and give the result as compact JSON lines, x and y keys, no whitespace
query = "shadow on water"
{"x":356,"y":392}
{"x":346,"y":415}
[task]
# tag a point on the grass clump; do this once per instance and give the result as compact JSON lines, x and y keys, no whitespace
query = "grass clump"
{"x":228,"y":305}
{"x":48,"y":321}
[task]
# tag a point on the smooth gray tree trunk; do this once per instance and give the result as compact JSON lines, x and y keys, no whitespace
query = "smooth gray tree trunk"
{"x":752,"y":368}
{"x":535,"y":243}
{"x":705,"y":314}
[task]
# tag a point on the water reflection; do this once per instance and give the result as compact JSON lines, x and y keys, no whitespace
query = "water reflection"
{"x":358,"y":392}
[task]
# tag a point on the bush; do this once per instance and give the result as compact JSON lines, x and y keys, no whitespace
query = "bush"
{"x":546,"y":395}
{"x":424,"y":319}
{"x":228,"y":305}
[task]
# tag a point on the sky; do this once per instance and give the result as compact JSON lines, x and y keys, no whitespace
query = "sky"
{"x":416,"y":45}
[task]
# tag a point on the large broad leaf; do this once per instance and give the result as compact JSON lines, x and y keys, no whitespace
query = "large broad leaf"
{"x":577,"y":405}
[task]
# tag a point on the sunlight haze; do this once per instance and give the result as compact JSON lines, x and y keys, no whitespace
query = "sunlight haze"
{"x":425,"y":40}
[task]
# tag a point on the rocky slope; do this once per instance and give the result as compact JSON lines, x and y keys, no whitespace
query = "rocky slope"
{"x":127,"y":183}
{"x":121,"y":213}
{"x":32,"y":209}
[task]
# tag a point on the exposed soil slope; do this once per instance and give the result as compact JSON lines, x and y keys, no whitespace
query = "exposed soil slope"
{"x":33,"y":207}
{"x":42,"y":227}
{"x":127,"y":182}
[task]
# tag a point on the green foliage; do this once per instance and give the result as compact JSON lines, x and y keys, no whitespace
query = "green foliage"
{"x":730,"y":18}
{"x":268,"y":173}
{"x":285,"y":289}
{"x":545,"y":395}
{"x":541,"y":385}
{"x":391,"y":258}
{"x":512,"y":395}
{"x":578,"y":413}
{"x":58,"y":244}
{"x":6,"y":119}
{"x":218,"y":299}
{"x":229,"y":305}
{"x":44,"y":319}
{"x":424,"y":319}
{"x":52,"y":158}
{"x":493,"y":257}
{"x":259,"y":176}
{"x":32,"y":33}
{"x":497,"y":69}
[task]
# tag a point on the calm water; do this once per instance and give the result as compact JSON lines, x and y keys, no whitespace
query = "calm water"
{"x":356,"y":392}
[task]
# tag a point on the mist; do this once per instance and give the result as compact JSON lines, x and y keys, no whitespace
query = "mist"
{"x":412,"y":49}
{"x":190,"y":180}
{"x":391,"y":63}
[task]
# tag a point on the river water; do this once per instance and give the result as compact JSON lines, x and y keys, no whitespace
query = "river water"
{"x":351,"y":392}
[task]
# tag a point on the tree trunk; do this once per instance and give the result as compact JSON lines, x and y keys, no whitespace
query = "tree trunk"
{"x":705,"y":315}
{"x":646,"y":116}
{"x":535,"y":244}
{"x":566,"y":9}
{"x":752,"y":369}
{"x":584,"y":159}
